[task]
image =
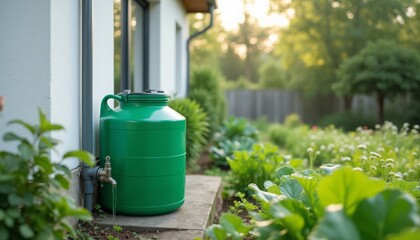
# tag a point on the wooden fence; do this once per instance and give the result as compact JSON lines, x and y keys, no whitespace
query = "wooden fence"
{"x":275,"y":105}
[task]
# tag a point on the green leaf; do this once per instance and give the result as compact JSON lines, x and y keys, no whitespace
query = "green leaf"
{"x":26,"y":231}
{"x":272,"y":187}
{"x":26,"y":125}
{"x":4,"y":233}
{"x":335,"y":225}
{"x":297,"y":207}
{"x":234,"y":225}
{"x":291,"y":188}
{"x":5,"y":178}
{"x":14,"y":199}
{"x":64,"y":182}
{"x":390,"y":211}
{"x":6,"y":188}
{"x":347,"y":187}
{"x":264,"y":196}
{"x":84,"y":156}
{"x":309,"y":196}
{"x":47,"y":142}
{"x":216,"y":232}
{"x":405,"y":235}
{"x":68,"y":227}
{"x":25,"y":150}
{"x":44,"y":163}
{"x":13,"y":213}
{"x":294,"y":224}
{"x":11,"y":137}
{"x":81,"y":213}
{"x":285,"y":171}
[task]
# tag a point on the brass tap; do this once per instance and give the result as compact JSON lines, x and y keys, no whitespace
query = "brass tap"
{"x":104,"y":174}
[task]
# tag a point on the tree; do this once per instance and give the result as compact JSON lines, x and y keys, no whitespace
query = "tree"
{"x":272,"y":75}
{"x":251,"y":37}
{"x":324,"y":33}
{"x":205,"y":49}
{"x":231,"y":64}
{"x":382,"y":68}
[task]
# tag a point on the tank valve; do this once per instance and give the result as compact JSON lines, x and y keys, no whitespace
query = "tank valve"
{"x":104,"y":174}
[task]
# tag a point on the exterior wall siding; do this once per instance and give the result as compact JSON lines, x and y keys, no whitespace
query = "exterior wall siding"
{"x":40,"y":67}
{"x":25,"y":77}
{"x":163,"y":49}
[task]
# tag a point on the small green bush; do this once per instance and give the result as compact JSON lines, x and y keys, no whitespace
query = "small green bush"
{"x":347,"y":121}
{"x":292,"y":120}
{"x":203,"y":98}
{"x":33,"y":204}
{"x":197,"y":127}
{"x":207,"y":79}
{"x":278,"y":134}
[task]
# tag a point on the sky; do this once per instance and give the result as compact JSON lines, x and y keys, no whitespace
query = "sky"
{"x":231,"y":13}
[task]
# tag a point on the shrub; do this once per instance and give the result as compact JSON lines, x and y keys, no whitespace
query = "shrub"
{"x":278,"y":134}
{"x":236,"y":134}
{"x":207,"y":80}
{"x":272,"y":75}
{"x":33,"y":204}
{"x":292,"y":120}
{"x":203,"y":98}
{"x":347,"y":121}
{"x":197,"y":127}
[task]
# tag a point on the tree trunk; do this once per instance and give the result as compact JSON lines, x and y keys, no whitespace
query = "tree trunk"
{"x":380,"y":100}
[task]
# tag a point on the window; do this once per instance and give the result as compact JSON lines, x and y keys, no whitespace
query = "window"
{"x":131,"y":28}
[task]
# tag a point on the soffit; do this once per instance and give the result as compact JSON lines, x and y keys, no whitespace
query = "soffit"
{"x":197,"y":6}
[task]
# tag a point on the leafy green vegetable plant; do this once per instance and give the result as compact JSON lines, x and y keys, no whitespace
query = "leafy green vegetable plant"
{"x":236,"y":134}
{"x":346,"y":204}
{"x":33,"y":204}
{"x":255,"y":166}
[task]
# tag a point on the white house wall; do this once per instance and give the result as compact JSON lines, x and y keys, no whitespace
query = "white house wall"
{"x":103,"y":57}
{"x":64,"y":65}
{"x":40,"y":64}
{"x":165,"y":15}
{"x":25,"y":74}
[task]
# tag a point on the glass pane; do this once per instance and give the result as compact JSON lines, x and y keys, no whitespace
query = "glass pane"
{"x":137,"y":49}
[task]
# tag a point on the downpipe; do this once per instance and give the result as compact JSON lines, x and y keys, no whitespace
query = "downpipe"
{"x":194,"y":35}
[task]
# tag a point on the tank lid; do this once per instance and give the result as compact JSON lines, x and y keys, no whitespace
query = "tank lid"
{"x":147,"y":95}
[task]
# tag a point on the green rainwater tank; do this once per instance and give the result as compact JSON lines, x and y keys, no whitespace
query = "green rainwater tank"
{"x":146,"y":142}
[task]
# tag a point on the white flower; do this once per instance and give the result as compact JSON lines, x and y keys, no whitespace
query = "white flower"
{"x":309,"y":150}
{"x":375,"y":154}
{"x":361,"y":146}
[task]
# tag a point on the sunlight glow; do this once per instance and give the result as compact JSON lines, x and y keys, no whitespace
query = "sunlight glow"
{"x":232,"y":13}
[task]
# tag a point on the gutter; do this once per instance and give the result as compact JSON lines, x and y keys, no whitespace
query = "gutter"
{"x":194,"y":35}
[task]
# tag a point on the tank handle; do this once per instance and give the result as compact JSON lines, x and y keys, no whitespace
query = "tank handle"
{"x":104,"y":104}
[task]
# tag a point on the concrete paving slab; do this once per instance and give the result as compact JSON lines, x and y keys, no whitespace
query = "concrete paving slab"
{"x":202,"y":198}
